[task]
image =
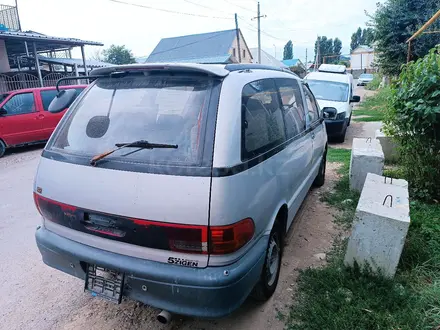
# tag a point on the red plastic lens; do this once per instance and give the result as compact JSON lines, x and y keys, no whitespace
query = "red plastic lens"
{"x":228,"y":239}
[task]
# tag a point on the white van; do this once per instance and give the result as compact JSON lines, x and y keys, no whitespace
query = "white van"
{"x":333,"y":88}
{"x":174,"y":184}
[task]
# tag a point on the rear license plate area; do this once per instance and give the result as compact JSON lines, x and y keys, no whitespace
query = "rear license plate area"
{"x":104,"y":283}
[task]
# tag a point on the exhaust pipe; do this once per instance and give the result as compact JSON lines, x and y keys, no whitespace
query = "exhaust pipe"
{"x":164,"y":317}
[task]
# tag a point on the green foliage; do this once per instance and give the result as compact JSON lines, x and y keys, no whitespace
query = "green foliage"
{"x":362,"y":37}
{"x":413,"y":119}
{"x":395,"y":21}
{"x":344,"y":199}
{"x":373,"y":108}
{"x":334,"y":297}
{"x":288,"y":51}
{"x":375,"y":83}
{"x":337,"y":46}
{"x":118,"y":55}
{"x":328,"y":47}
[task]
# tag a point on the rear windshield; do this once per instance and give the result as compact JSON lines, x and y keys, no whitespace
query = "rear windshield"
{"x":158,"y":109}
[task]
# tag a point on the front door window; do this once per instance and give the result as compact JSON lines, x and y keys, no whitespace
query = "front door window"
{"x":20,"y":104}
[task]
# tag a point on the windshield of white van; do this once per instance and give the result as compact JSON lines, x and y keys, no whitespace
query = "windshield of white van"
{"x":329,"y":90}
{"x":161,"y":109}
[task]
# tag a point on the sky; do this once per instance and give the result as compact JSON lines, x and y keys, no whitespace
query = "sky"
{"x":140,"y":28}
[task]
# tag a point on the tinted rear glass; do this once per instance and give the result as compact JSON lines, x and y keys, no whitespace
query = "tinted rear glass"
{"x":158,"y":109}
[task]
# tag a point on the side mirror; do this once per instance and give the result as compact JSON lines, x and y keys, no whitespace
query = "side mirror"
{"x":3,"y":112}
{"x":329,"y":112}
{"x":355,"y":99}
{"x":62,"y":101}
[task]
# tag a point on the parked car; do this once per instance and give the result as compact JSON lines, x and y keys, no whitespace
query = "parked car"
{"x":365,"y":79}
{"x":24,"y":116}
{"x":175,"y":184}
{"x":333,"y":88}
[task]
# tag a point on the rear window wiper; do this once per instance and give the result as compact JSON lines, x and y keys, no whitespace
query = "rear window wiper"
{"x":141,"y":144}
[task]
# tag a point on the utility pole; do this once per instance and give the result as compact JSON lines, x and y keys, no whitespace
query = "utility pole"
{"x":237,"y":31}
{"x":18,"y":15}
{"x":317,"y":54}
{"x":259,"y":32}
{"x":306,"y":61}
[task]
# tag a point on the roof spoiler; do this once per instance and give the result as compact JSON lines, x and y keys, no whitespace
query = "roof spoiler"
{"x":211,"y":70}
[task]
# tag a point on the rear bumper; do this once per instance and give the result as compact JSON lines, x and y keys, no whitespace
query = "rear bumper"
{"x":208,"y":292}
{"x":335,"y":127}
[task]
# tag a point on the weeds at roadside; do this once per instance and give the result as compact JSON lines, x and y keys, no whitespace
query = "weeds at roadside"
{"x":373,"y":107}
{"x":335,"y":297}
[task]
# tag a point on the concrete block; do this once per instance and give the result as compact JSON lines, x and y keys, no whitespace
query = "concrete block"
{"x":389,"y":147}
{"x":366,"y":157}
{"x":380,"y":226}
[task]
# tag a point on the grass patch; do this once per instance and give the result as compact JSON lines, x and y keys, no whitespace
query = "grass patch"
{"x":344,"y":199}
{"x":373,"y":107}
{"x":335,"y":297}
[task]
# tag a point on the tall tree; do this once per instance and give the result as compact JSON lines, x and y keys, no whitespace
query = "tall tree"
{"x":288,"y":51}
{"x":327,"y":49}
{"x":337,"y":47}
{"x":394,"y":22}
{"x":356,"y":39}
{"x":118,"y":55}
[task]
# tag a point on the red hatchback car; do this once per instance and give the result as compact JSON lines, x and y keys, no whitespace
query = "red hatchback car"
{"x":24,"y":116}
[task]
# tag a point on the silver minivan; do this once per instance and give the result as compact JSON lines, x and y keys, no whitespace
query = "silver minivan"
{"x":175,"y":184}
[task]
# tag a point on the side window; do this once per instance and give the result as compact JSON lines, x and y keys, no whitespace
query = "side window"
{"x":49,"y":95}
{"x":293,"y":106}
{"x":313,"y":111}
{"x":20,"y":104}
{"x":262,"y":118}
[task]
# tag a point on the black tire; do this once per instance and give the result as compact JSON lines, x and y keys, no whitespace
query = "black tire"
{"x":2,"y":148}
{"x":349,"y":121}
{"x":320,"y":178}
{"x":341,"y":137}
{"x":270,"y":274}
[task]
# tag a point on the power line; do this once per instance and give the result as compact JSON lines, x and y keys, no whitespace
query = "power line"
{"x":244,"y":8}
{"x":256,"y":29}
{"x":167,"y":10}
{"x":207,"y":7}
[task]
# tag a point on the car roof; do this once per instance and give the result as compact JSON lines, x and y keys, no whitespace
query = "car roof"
{"x":326,"y":76}
{"x":43,"y":88}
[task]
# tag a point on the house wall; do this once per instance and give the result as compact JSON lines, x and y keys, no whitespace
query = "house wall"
{"x":362,"y":60}
{"x":245,"y":59}
{"x":4,"y":62}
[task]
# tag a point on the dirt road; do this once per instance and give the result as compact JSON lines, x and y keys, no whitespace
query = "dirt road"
{"x":37,"y":297}
{"x":34,"y":296}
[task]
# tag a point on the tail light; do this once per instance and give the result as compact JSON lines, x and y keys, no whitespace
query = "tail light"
{"x":147,"y":233}
{"x":228,"y":239}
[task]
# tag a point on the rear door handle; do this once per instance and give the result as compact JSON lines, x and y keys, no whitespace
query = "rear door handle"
{"x":40,"y":116}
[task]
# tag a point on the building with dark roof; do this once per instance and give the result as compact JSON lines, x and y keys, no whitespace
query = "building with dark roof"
{"x":219,"y":47}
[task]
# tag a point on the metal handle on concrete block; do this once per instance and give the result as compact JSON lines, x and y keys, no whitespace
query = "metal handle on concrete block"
{"x":385,"y":199}
{"x":385,"y":180}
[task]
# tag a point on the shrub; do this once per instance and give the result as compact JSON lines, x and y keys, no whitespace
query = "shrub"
{"x":375,"y":83}
{"x":413,"y":119}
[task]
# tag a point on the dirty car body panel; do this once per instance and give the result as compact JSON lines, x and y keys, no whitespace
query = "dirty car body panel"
{"x":166,"y":218}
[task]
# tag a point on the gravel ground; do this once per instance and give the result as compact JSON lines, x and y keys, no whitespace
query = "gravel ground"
{"x":35,"y":296}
